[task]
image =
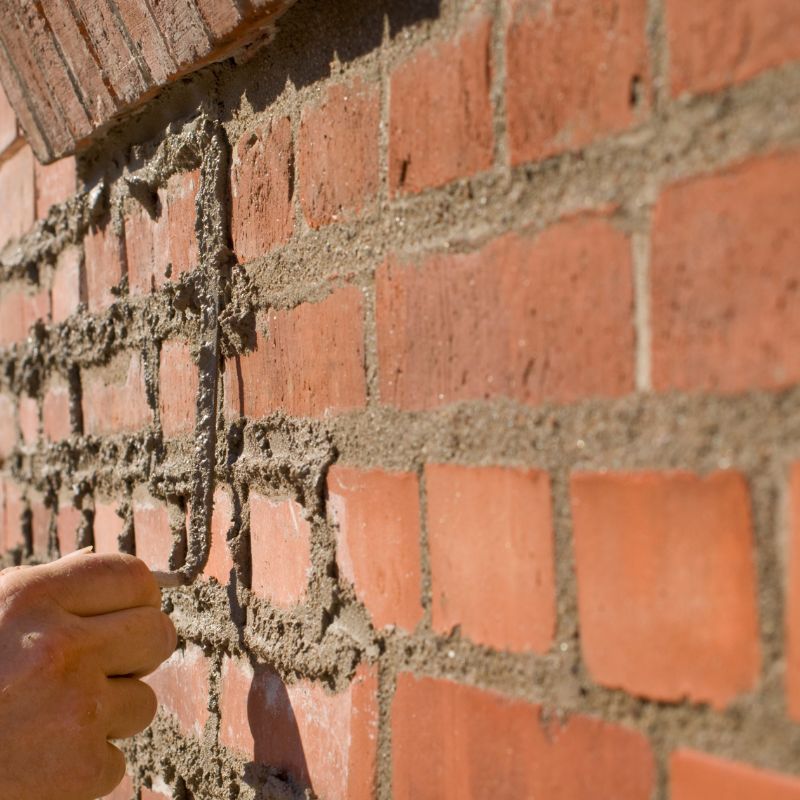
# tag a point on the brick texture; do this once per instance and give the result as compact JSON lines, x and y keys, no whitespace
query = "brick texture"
{"x":115,"y":399}
{"x":69,"y":284}
{"x":377,"y":515}
{"x":108,"y":526}
{"x":104,"y":267}
{"x":440,"y":119}
{"x":16,"y":181}
{"x":28,"y":416}
{"x":55,"y":183}
{"x":536,"y":320}
{"x":792,"y":621}
{"x":725,"y":278}
{"x":326,"y":742}
{"x":220,"y":562}
{"x":56,"y":418}
{"x":68,"y":522}
{"x":179,"y":381}
{"x":659,"y":557}
{"x":12,"y":517}
{"x":717,"y":43}
{"x":152,"y":530}
{"x":697,"y":776}
{"x":338,"y":153}
{"x":451,"y":741}
{"x":490,"y":534}
{"x":20,"y":309}
{"x":8,"y":123}
{"x":576,"y":70}
{"x":8,"y":426}
{"x":123,"y":792}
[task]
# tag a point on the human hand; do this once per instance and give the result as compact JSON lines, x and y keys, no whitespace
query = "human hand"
{"x":75,"y":636}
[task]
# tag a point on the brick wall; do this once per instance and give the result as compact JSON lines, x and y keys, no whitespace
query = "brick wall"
{"x":452,"y":349}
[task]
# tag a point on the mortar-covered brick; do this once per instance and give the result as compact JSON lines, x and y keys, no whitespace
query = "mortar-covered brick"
{"x":115,"y":397}
{"x":12,"y":517}
{"x":325,"y":742}
{"x":182,"y":686}
{"x":666,"y":583}
{"x":280,"y":550}
{"x":534,"y":319}
{"x":56,"y":420}
{"x":178,"y":384}
{"x":21,"y":307}
{"x":68,"y":522}
{"x":69,"y":284}
{"x":124,"y":791}
{"x":40,"y":523}
{"x":440,"y":112}
{"x":262,"y":190}
{"x":490,"y":534}
{"x":453,"y":741}
{"x":8,"y":426}
{"x":55,"y":183}
{"x":152,"y":530}
{"x":377,"y":517}
{"x":220,"y":561}
{"x":718,"y":43}
{"x":28,"y":415}
{"x":103,"y":263}
{"x":8,"y":123}
{"x":576,"y":70}
{"x":725,"y":279}
{"x":107,"y":526}
{"x":290,"y":371}
{"x":792,"y":621}
{"x":699,"y":776}
{"x":338,"y":152}
{"x":16,"y":181}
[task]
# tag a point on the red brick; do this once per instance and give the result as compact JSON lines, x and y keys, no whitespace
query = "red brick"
{"x":440,"y":116}
{"x":115,"y":398}
{"x":140,"y":249}
{"x":152,"y":530}
{"x":104,"y":269}
{"x":55,"y":184}
{"x":149,"y":794}
{"x":179,"y":381}
{"x":377,"y":515}
{"x":28,"y":411}
{"x":718,"y":42}
{"x":20,"y":309}
{"x":451,"y":741}
{"x":40,"y":523}
{"x":108,"y":526}
{"x":698,"y":776}
{"x":793,"y":597}
{"x":537,"y":320}
{"x":182,"y":686}
{"x":123,"y":792}
{"x":725,"y":279}
{"x":280,"y":548}
{"x":8,"y":426}
{"x":289,"y":371}
{"x":338,"y":153}
{"x":56,"y":420}
{"x":16,"y":180}
{"x":12,"y":522}
{"x":68,"y":522}
{"x":490,"y":533}
{"x":666,"y":584}
{"x":8,"y":123}
{"x":220,"y":562}
{"x":69,"y":284}
{"x":326,"y":742}
{"x":572,"y":68}
{"x":262,"y":213}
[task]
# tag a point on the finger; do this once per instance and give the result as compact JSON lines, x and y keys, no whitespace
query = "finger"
{"x":131,"y":642}
{"x":88,"y":585}
{"x":111,"y":772}
{"x":131,"y":705}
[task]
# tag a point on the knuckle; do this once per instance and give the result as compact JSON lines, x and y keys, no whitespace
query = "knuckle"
{"x":52,"y":651}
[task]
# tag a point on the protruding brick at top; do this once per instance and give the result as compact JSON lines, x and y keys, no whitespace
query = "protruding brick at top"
{"x":69,"y":70}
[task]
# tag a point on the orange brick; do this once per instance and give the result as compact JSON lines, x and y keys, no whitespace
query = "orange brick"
{"x":21,"y":307}
{"x":108,"y":527}
{"x":123,"y":792}
{"x":544,"y":319}
{"x":262,"y":187}
{"x":338,"y":153}
{"x":69,"y":284}
{"x":290,"y":372}
{"x":666,"y":584}
{"x":377,"y":515}
{"x":325,"y":742}
{"x":490,"y":533}
{"x":28,"y":410}
{"x":152,"y":531}
{"x":16,"y":181}
{"x":56,"y":421}
{"x":55,"y":183}
{"x":280,"y":549}
{"x":68,"y":522}
{"x":115,"y":398}
{"x":572,"y":67}
{"x":182,"y":686}
{"x":725,"y":279}
{"x":104,"y":268}
{"x":717,"y":43}
{"x":698,"y":776}
{"x":440,"y":117}
{"x":149,"y":794}
{"x":452,"y":741}
{"x":793,"y":597}
{"x":179,"y":381}
{"x":220,"y":562}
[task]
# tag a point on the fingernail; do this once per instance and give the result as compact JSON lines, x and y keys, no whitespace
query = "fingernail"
{"x":82,"y":552}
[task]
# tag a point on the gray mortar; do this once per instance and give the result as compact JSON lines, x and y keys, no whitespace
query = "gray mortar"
{"x":193,"y":124}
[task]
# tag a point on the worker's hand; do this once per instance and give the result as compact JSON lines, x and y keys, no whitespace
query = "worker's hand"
{"x":75,"y":636}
